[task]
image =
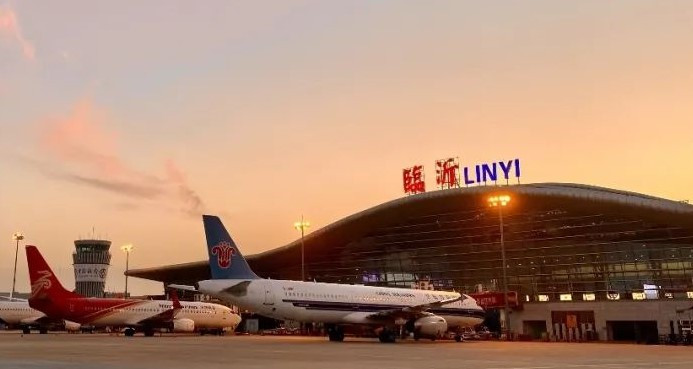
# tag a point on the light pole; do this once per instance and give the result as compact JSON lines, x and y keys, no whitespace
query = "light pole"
{"x":302,"y":226}
{"x":500,"y":202}
{"x":17,"y":236}
{"x":126,"y":248}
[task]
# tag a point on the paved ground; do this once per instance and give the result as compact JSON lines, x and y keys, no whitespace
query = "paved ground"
{"x":57,"y":351}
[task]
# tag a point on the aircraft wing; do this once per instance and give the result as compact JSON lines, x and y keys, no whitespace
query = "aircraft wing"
{"x":165,"y":316}
{"x":415,"y":311}
{"x":13,"y":299}
{"x":50,"y":323}
{"x":157,"y":320}
{"x":37,"y":320}
{"x":182,"y":287}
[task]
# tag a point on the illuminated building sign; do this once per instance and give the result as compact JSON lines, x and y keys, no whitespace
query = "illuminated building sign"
{"x":492,"y":300}
{"x":482,"y":173}
{"x":449,"y":174}
{"x":413,"y":180}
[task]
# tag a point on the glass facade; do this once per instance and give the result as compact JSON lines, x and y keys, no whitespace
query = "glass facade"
{"x":555,"y":252}
{"x":563,"y":242}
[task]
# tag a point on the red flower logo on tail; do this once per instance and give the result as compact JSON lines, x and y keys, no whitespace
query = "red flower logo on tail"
{"x":224,"y":251}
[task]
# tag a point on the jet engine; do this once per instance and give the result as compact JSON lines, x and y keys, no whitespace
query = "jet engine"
{"x":72,"y":326}
{"x":183,"y":325}
{"x":430,"y":326}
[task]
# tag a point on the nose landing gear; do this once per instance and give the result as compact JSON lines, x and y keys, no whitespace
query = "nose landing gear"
{"x":387,"y":336}
{"x":335,"y":333}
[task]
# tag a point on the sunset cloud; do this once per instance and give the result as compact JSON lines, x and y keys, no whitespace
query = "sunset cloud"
{"x":79,"y":149}
{"x":10,"y":29}
{"x":190,"y":200}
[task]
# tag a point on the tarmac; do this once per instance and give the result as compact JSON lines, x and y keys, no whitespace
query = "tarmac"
{"x":101,"y":351}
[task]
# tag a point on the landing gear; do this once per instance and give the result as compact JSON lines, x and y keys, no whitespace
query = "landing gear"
{"x":458,"y":338}
{"x":129,"y":332}
{"x":149,"y":333}
{"x":387,"y":336}
{"x":335,"y":333}
{"x":26,"y":330}
{"x":43,"y":330}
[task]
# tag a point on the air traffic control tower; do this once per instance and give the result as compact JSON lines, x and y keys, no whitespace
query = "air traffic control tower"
{"x":91,"y":261}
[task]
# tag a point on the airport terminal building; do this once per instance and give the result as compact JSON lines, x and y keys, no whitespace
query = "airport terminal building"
{"x":581,"y":261}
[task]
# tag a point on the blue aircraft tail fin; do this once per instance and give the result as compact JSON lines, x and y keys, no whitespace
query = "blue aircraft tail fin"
{"x":225,"y":259}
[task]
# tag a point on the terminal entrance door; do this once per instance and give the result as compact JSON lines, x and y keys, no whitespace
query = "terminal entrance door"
{"x":633,"y":331}
{"x":536,"y":329}
{"x":576,"y":325}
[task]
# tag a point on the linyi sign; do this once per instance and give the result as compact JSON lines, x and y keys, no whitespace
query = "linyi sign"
{"x":449,"y":174}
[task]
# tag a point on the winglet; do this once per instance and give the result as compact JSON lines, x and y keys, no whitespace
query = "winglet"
{"x":175,"y":300}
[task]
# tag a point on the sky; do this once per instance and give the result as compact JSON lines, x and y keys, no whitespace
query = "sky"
{"x":127,"y":120}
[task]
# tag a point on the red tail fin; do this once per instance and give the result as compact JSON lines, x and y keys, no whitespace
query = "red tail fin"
{"x":44,"y":284}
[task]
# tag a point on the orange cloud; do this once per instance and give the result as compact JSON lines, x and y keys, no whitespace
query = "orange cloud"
{"x":81,"y":138}
{"x":81,"y":150}
{"x":9,"y":27}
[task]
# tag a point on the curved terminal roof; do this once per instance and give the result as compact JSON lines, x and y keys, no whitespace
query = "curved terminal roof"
{"x":353,"y":227}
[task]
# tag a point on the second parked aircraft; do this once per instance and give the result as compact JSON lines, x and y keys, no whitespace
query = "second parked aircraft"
{"x":51,"y":298}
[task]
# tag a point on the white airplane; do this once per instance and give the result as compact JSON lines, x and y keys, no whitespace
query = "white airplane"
{"x":51,"y":298}
{"x":427,"y":314}
{"x":17,"y":313}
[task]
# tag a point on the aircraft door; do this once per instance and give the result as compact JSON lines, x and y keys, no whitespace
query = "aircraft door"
{"x":269,"y":294}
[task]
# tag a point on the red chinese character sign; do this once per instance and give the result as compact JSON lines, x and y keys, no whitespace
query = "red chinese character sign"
{"x":413,"y":180}
{"x":447,"y":173}
{"x":492,"y":300}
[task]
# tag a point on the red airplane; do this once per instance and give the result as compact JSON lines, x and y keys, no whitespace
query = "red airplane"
{"x":51,"y":298}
